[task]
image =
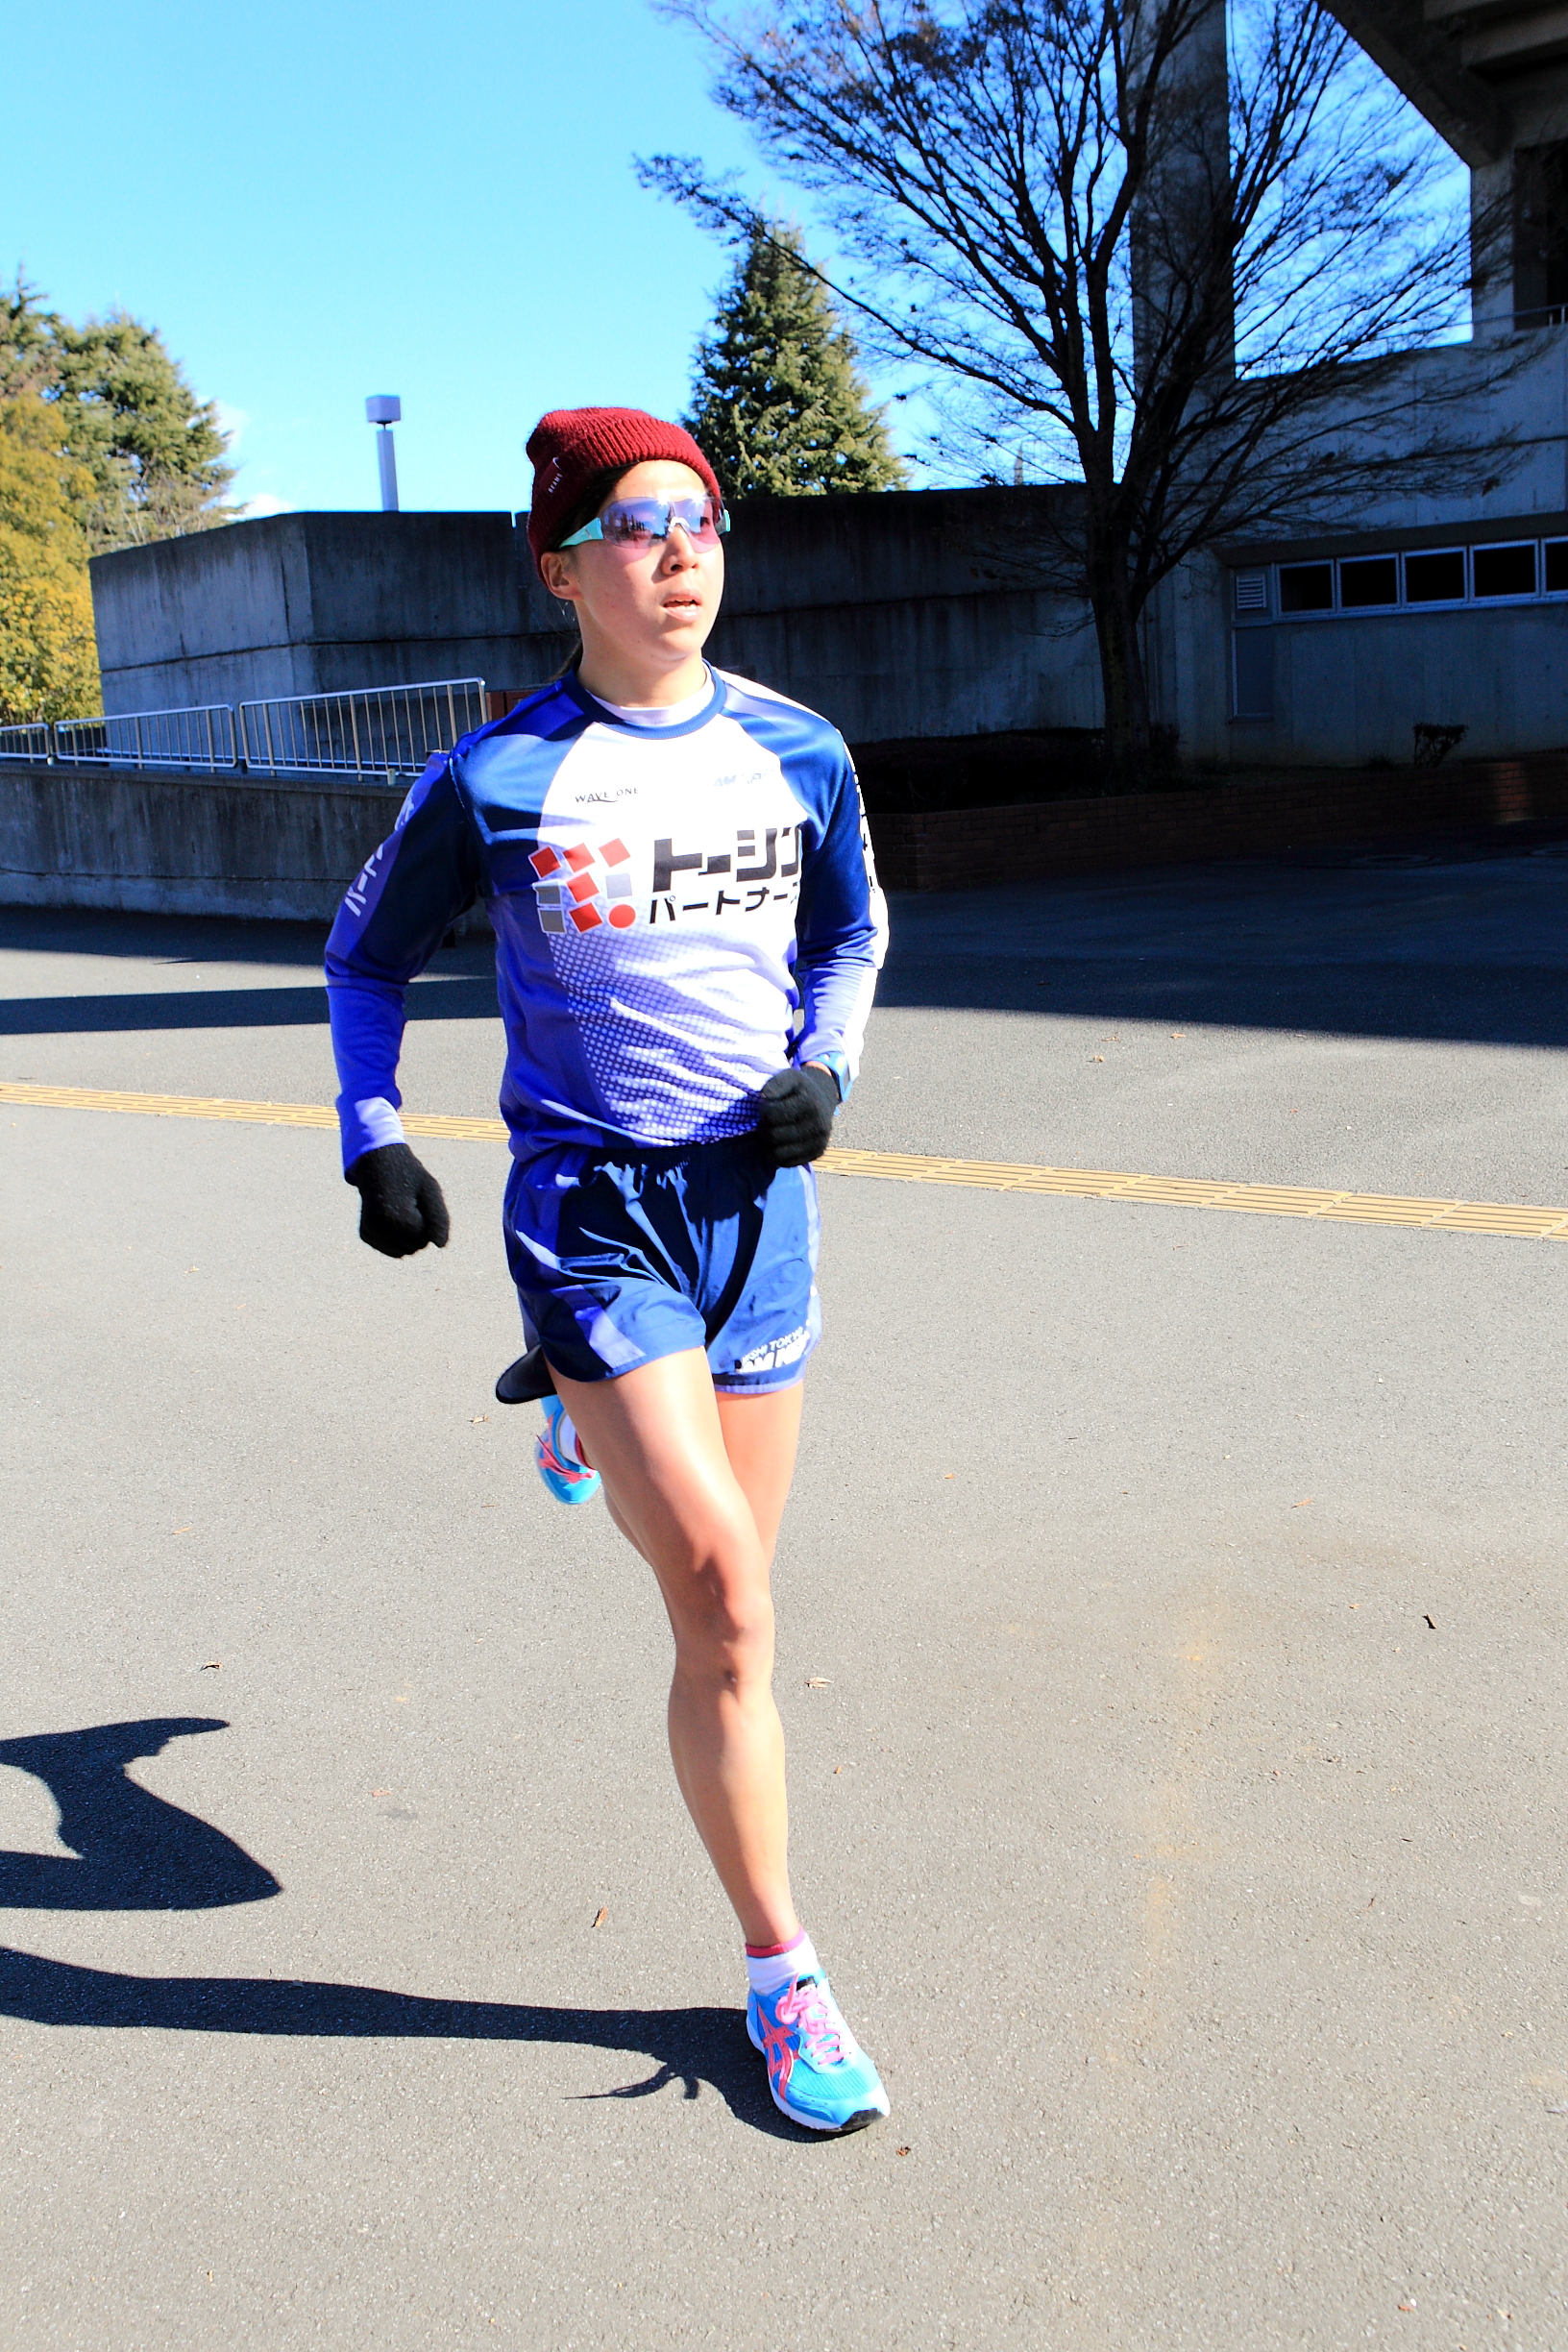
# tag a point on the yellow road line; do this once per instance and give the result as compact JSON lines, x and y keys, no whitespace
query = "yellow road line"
{"x":254,"y":1114}
{"x":1519,"y":1220}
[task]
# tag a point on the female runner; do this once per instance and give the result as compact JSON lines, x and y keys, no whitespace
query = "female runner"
{"x":688,"y":931}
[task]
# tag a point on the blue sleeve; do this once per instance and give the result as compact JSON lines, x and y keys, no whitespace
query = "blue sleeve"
{"x":840,"y":934}
{"x":394,"y":916}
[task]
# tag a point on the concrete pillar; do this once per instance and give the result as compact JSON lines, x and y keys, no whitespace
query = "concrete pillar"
{"x":1491,"y":249}
{"x":1186,"y":200}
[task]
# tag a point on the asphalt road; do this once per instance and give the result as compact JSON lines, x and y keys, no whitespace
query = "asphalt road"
{"x":1183,"y":1816}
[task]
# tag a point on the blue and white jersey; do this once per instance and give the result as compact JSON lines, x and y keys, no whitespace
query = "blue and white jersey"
{"x":679,"y":912}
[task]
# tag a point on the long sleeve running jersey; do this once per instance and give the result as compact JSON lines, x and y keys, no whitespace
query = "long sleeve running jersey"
{"x":678,"y":911}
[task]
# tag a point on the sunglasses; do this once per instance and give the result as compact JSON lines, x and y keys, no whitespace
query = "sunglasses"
{"x":635,"y":523}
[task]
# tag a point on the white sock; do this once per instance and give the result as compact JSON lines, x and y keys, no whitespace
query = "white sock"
{"x":781,"y":1964}
{"x":566,"y":1442}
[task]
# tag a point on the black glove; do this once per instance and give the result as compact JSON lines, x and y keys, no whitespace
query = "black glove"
{"x":796,"y":1123}
{"x":403,"y":1208}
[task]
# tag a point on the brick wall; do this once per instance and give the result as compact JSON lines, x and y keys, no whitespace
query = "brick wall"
{"x":963,"y":848}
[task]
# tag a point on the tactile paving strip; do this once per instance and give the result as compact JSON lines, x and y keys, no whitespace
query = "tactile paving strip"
{"x":1518,"y":1220}
{"x":1523,"y":1221}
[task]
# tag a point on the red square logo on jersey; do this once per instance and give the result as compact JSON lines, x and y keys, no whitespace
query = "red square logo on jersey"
{"x":585,"y":895}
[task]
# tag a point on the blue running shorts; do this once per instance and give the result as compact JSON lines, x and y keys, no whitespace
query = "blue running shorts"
{"x":620,"y":1256}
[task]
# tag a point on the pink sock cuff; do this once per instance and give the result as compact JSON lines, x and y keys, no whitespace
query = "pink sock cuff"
{"x":774,"y":1951}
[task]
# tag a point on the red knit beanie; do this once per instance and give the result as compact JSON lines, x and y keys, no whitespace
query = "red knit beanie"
{"x":570,"y":445}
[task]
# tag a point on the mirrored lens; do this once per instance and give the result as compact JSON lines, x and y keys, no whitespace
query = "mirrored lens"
{"x":634,"y":524}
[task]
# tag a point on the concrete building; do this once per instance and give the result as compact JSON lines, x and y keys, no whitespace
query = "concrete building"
{"x":1445,"y":611}
{"x":898,"y":617}
{"x":1425,"y":612}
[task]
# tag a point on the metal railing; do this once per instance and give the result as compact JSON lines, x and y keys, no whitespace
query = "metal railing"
{"x":28,"y":743}
{"x":371,"y":731}
{"x":376,"y":730}
{"x":202,"y":737}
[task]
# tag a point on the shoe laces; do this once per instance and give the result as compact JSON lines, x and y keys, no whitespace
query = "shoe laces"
{"x":808,"y":2007}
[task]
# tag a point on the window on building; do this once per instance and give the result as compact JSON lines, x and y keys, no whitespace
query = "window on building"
{"x":1307,"y":587}
{"x":1434,"y":576}
{"x":1252,"y":673}
{"x":1372,"y":579}
{"x":1505,"y":571}
{"x":1434,"y":580}
{"x":1540,"y":236}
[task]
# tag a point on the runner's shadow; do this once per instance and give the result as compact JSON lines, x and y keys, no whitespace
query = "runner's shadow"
{"x":690,"y":2046}
{"x":137,"y":1853}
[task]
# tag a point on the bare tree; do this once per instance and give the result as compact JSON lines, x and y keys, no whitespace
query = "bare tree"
{"x":1180,"y":269}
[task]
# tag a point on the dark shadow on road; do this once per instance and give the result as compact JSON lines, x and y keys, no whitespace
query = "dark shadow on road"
{"x":690,"y":2046}
{"x":1457,"y":1003}
{"x":464,"y":997}
{"x":164,"y":938}
{"x":1461,"y":939}
{"x":137,"y":1853}
{"x":200,"y":940}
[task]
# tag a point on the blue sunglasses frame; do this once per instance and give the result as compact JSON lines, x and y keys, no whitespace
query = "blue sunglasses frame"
{"x":669,"y":509}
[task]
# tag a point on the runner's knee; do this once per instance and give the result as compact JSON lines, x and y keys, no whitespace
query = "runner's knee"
{"x":724,"y":1618}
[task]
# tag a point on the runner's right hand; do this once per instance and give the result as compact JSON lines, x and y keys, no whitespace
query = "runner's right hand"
{"x":402,"y":1207}
{"x":797,"y":1107}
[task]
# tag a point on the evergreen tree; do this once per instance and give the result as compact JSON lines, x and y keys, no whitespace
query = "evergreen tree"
{"x":156,"y":451}
{"x":779,"y":402}
{"x":127,"y":412}
{"x":27,"y":347}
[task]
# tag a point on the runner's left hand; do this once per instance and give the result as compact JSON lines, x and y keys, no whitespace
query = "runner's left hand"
{"x":401,"y":1208}
{"x":797,"y":1107}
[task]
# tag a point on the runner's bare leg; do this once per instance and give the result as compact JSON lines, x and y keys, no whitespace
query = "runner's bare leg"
{"x":698,"y":1484}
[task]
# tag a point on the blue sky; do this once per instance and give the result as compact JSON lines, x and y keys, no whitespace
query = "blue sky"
{"x":319,"y":199}
{"x":315,"y":201}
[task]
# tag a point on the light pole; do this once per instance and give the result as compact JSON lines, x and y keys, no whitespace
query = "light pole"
{"x":384,"y":410}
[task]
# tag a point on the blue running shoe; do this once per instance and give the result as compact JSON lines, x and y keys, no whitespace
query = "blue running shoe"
{"x":566,"y":1480}
{"x":817,"y":2073}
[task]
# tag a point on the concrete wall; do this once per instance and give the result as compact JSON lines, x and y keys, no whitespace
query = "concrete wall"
{"x":306,"y":603}
{"x":1357,"y":686}
{"x":948,"y":666}
{"x":184,"y":844}
{"x":1505,"y":397}
{"x":919,"y":612}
